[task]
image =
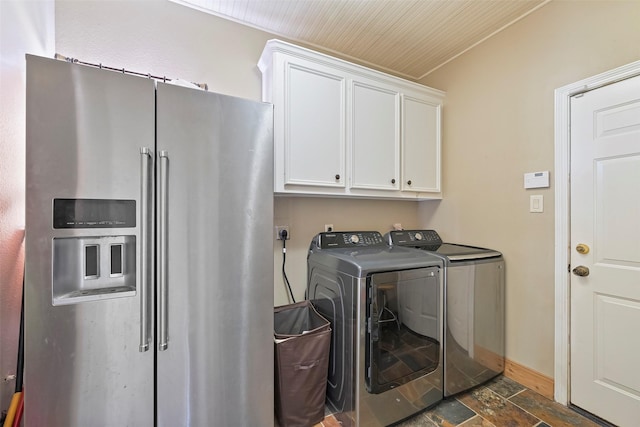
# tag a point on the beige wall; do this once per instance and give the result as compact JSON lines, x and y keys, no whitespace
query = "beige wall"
{"x":498,"y":124}
{"x":165,"y":39}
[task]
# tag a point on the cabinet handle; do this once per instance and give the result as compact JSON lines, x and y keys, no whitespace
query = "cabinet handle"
{"x":409,"y":182}
{"x":393,"y":181}
{"x":337,"y":177}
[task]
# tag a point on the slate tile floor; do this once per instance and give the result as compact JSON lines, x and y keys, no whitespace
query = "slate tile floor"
{"x":501,"y":402}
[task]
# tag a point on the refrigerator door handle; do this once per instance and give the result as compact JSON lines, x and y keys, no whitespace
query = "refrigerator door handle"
{"x":145,"y":155}
{"x":162,"y":248}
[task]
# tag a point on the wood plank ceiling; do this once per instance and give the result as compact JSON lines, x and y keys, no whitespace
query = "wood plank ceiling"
{"x":408,"y":38}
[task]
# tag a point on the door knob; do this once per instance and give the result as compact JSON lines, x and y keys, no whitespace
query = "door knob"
{"x":581,"y":271}
{"x":581,"y":248}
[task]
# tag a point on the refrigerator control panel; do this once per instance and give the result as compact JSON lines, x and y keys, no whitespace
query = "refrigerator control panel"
{"x":94,"y":213}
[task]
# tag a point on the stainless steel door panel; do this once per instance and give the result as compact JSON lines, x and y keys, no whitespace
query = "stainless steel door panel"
{"x":217,"y":368}
{"x":489,"y":315}
{"x":460,"y":306}
{"x":474,"y":327}
{"x":84,"y":130}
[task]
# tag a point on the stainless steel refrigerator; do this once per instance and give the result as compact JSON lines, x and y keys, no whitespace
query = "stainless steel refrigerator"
{"x":149,"y":265}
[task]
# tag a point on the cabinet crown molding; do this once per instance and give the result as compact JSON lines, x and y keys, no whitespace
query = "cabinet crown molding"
{"x":278,"y":46}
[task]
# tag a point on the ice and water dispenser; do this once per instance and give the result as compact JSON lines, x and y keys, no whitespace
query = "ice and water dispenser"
{"x":91,"y":265}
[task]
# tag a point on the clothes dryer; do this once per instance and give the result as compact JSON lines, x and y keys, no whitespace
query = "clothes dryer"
{"x":385,"y":308}
{"x":474,"y":314}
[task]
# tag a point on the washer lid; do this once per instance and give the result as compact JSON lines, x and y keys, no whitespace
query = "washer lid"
{"x":454,"y":252}
{"x":430,"y":241}
{"x":360,"y":261}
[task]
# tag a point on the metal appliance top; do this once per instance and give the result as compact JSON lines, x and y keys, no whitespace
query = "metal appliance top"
{"x":364,"y":254}
{"x":429,"y":240}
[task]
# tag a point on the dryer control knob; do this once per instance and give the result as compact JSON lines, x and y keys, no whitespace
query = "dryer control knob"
{"x":354,"y":238}
{"x":418,"y":236}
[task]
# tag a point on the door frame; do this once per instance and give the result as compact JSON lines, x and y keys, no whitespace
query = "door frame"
{"x":562,"y":138}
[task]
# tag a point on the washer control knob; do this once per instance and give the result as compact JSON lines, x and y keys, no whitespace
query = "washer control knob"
{"x":418,"y":236}
{"x":354,"y":239}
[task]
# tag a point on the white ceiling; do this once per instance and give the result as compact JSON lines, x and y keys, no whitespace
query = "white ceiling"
{"x":408,"y":38}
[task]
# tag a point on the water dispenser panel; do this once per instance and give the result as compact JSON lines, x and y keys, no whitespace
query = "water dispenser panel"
{"x":94,"y":213}
{"x":91,"y":268}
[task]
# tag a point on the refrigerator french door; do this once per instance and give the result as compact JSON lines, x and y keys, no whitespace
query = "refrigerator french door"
{"x":148,"y":252}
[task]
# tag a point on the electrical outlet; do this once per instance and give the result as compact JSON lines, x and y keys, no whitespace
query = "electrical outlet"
{"x":328,"y":228}
{"x":279,"y":229}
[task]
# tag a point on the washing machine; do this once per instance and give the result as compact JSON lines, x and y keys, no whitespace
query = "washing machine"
{"x":474,"y":313}
{"x":385,"y":308}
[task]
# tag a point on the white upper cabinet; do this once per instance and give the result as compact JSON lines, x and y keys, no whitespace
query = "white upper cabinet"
{"x":375,"y":136}
{"x":344,"y":130}
{"x":420,"y":144}
{"x":313,"y":137}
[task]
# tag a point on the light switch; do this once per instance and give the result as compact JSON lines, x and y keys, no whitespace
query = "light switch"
{"x":536,"y":203}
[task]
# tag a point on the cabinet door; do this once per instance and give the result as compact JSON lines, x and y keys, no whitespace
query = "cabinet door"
{"x":314,"y":126}
{"x":375,"y":137}
{"x":420,"y":145}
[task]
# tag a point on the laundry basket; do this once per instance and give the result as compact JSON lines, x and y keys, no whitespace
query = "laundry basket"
{"x":302,"y":338}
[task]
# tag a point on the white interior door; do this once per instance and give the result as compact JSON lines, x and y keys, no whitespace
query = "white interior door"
{"x":605,"y":218}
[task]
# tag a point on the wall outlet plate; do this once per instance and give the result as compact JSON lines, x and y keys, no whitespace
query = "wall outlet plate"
{"x":279,"y":229}
{"x":328,"y":228}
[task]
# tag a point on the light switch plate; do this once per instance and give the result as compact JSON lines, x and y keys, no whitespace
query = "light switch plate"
{"x":536,"y":203}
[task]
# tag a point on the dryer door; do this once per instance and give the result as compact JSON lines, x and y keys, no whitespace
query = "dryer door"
{"x":404,"y":327}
